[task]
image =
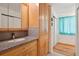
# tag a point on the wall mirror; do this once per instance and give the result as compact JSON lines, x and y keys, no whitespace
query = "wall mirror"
{"x":10,"y":16}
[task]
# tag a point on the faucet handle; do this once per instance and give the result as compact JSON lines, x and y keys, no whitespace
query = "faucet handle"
{"x":13,"y":35}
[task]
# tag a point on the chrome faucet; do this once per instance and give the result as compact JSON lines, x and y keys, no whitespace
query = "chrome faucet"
{"x":13,"y":35}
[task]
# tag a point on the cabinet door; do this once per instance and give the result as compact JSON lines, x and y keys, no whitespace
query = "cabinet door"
{"x":33,"y":19}
{"x":46,"y":44}
{"x":44,"y":21}
{"x":34,"y":15}
{"x":41,"y":41}
{"x":41,"y":44}
{"x":25,"y":16}
{"x":42,"y":17}
{"x":31,"y":49}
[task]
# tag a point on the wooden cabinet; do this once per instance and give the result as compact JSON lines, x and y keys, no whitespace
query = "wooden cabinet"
{"x":39,"y":19}
{"x":25,"y":16}
{"x":43,"y":45}
{"x":33,"y":15}
{"x":44,"y":29}
{"x":31,"y":50}
{"x":33,"y":19}
{"x":27,"y":49}
{"x":13,"y":51}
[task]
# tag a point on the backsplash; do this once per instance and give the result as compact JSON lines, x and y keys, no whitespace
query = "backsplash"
{"x":33,"y":31}
{"x":8,"y":35}
{"x":5,"y":36}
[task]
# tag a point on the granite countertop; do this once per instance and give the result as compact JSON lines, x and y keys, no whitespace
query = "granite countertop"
{"x":11,"y":43}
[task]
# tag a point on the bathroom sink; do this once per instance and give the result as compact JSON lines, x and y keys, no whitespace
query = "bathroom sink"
{"x":18,"y":40}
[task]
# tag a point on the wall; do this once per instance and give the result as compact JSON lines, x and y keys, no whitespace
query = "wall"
{"x":54,"y":34}
{"x":54,"y":29}
{"x":68,"y":39}
{"x":77,"y":40}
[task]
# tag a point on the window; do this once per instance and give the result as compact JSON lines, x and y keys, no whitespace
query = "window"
{"x":67,"y":25}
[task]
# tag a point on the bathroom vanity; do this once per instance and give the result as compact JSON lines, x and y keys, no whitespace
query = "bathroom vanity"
{"x":24,"y":29}
{"x":26,"y":46}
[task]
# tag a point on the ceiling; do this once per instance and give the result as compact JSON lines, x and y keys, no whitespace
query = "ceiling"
{"x":61,"y":8}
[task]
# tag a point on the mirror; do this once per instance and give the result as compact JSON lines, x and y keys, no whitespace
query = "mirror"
{"x":15,"y":12}
{"x":10,"y":15}
{"x":3,"y":18}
